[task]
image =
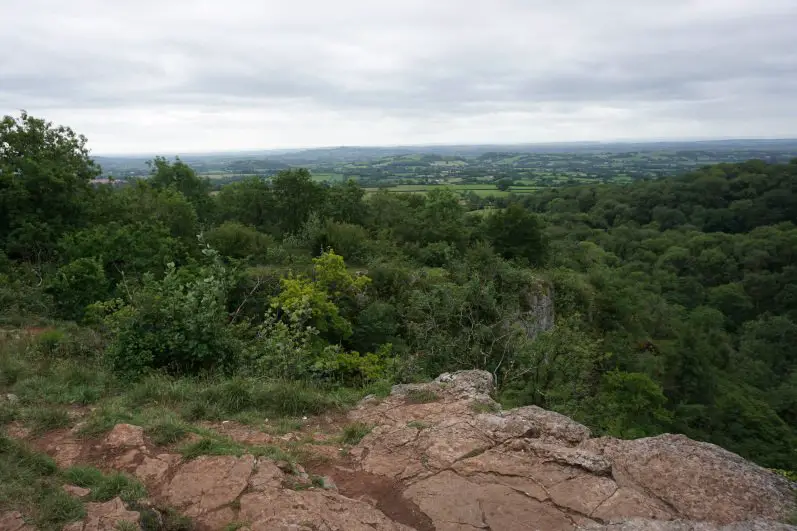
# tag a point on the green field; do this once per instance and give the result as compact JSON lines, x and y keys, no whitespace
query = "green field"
{"x":481,"y":190}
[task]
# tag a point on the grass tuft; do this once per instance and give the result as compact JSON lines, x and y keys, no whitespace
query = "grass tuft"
{"x":105,"y":487}
{"x":354,"y":433}
{"x":211,"y":447}
{"x":167,"y":431}
{"x":421,"y":396}
{"x":45,"y":418}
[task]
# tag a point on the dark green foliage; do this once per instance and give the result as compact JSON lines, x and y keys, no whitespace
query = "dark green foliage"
{"x":296,"y":195}
{"x":76,"y":285}
{"x":179,"y":324}
{"x":235,"y":240}
{"x":517,"y":233}
{"x":44,"y":183}
{"x":675,"y":299}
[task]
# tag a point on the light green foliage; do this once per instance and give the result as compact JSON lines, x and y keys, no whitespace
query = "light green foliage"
{"x":312,"y":300}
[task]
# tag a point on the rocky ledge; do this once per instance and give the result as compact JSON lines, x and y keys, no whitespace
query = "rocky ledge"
{"x":442,"y":456}
{"x":469,"y":465}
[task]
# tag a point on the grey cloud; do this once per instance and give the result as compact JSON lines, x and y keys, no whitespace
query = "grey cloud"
{"x":409,"y":60}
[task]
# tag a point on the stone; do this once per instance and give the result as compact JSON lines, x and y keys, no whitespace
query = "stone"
{"x":328,"y":483}
{"x":208,"y":483}
{"x":310,"y":510}
{"x":537,"y":423}
{"x":701,"y":481}
{"x":528,"y":468}
{"x":77,"y":492}
{"x":14,"y":521}
{"x":106,"y":516}
{"x":639,"y":524}
{"x":153,"y":470}
{"x":11,"y":398}
{"x":266,"y":476}
{"x":125,"y":436}
{"x":453,"y":502}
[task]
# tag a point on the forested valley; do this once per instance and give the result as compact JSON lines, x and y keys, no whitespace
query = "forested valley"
{"x":664,"y":305}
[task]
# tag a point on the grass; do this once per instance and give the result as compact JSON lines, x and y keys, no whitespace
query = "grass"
{"x":104,"y":487}
{"x":30,"y":483}
{"x":422,"y":396}
{"x":418,"y":424}
{"x":354,"y":433}
{"x":170,"y":430}
{"x":45,"y":418}
{"x":224,"y":446}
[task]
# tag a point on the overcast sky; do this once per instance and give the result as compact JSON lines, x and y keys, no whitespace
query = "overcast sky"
{"x":194,"y":75}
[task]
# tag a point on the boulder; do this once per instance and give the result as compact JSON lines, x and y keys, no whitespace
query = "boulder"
{"x":310,"y":510}
{"x":125,"y":436}
{"x":700,"y":481}
{"x":209,"y":483}
{"x":529,"y":468}
{"x":13,"y":521}
{"x":105,"y":517}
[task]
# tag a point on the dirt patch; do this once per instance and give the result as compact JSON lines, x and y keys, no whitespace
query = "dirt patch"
{"x":381,"y":492}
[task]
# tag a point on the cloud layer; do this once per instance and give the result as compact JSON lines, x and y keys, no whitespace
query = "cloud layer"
{"x":197,"y":75}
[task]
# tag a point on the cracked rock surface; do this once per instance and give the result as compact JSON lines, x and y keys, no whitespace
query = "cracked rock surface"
{"x":529,"y":469}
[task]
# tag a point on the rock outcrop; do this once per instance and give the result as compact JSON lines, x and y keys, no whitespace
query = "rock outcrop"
{"x":440,"y":456}
{"x":468,"y":465}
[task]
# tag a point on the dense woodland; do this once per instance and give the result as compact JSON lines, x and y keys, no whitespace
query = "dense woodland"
{"x":675,"y":299}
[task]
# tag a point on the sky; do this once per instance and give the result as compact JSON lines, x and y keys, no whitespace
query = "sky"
{"x":179,"y":76}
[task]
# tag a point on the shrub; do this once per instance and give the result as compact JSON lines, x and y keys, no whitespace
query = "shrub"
{"x":179,"y":324}
{"x":237,"y":240}
{"x":76,"y":285}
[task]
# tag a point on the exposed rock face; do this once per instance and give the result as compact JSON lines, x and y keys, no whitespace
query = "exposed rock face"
{"x":442,"y":456}
{"x":105,"y":517}
{"x":125,"y":436}
{"x":13,"y":521}
{"x":539,"y":316}
{"x":701,"y":480}
{"x":534,"y":469}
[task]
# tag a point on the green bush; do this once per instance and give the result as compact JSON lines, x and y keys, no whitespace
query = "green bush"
{"x":179,"y":324}
{"x":237,"y":240}
{"x":76,"y":285}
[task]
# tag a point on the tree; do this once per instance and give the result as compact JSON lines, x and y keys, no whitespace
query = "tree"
{"x":517,"y":233}
{"x":504,"y":184}
{"x":296,"y":195}
{"x":179,"y":176}
{"x":250,"y":202}
{"x":45,"y":173}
